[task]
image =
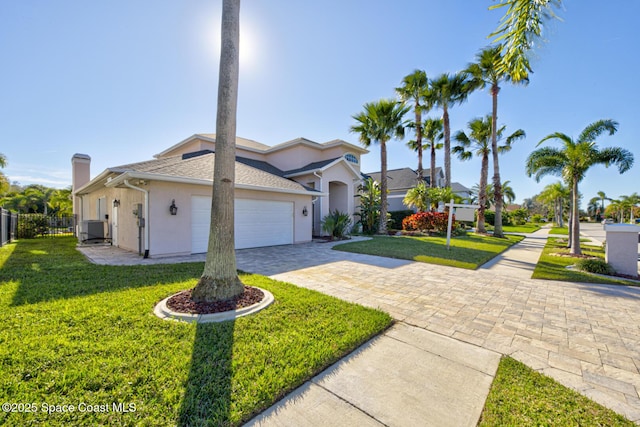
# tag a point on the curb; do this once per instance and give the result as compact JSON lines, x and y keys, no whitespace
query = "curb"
{"x":165,"y":313}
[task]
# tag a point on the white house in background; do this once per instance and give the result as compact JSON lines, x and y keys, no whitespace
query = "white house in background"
{"x":282,"y":193}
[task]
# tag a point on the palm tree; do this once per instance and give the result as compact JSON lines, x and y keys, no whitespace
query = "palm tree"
{"x":519,"y":29}
{"x":486,"y":72}
{"x":555,"y":194}
{"x":630,"y":202}
{"x":446,"y":91}
{"x":414,"y":88}
{"x":603,"y":197}
{"x":433,"y":134}
{"x":219,"y":280}
{"x":417,"y":197}
{"x":3,"y":161}
{"x":369,"y":192}
{"x":507,"y":191}
{"x":478,"y":141}
{"x":572,"y":162}
{"x":593,"y":208}
{"x":378,"y":123}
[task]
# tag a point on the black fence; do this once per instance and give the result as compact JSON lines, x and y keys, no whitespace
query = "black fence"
{"x":30,"y":226}
{"x":8,"y":226}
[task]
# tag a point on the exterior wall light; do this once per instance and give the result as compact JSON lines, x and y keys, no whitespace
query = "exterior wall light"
{"x":116,"y":203}
{"x":305,"y":212}
{"x":173,"y":209}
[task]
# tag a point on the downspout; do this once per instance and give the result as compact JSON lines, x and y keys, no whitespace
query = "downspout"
{"x":146,"y":215}
{"x":319,"y":201}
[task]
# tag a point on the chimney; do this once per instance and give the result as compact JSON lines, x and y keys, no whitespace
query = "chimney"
{"x":80,"y":175}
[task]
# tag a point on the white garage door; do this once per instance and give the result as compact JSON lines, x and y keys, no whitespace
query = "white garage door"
{"x":257,"y":223}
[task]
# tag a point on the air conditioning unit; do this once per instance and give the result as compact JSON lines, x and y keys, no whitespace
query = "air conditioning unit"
{"x":94,"y":230}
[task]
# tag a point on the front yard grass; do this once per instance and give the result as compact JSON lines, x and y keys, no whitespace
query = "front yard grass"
{"x":470,"y":251}
{"x":74,"y":333}
{"x":526,"y":228}
{"x":519,"y":396}
{"x":553,"y":267}
{"x":559,"y":230}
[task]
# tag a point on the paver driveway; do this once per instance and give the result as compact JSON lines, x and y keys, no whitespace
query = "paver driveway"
{"x":585,"y":336}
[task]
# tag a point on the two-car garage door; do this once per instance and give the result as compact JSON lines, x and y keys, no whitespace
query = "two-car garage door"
{"x":257,"y":223}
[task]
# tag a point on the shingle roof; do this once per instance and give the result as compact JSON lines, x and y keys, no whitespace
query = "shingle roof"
{"x":397,"y":179}
{"x":312,"y":166}
{"x":248,"y":172}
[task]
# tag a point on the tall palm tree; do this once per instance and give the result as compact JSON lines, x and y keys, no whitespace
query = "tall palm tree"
{"x":479,"y":142}
{"x":507,"y":191}
{"x":486,"y":72}
{"x":378,"y":123}
{"x":519,"y":30}
{"x":572,"y":162}
{"x":414,"y":89}
{"x":445,"y":91}
{"x":433,"y":134}
{"x":219,"y":280}
{"x":631,"y":202}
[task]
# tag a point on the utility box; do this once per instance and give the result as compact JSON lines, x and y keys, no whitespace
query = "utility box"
{"x":621,"y":251}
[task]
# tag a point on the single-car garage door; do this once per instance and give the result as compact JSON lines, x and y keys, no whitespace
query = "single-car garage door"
{"x":257,"y":223}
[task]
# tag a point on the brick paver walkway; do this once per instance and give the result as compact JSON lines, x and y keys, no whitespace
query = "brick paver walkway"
{"x":586,"y":336}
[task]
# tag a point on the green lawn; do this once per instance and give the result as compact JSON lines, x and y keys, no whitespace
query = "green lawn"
{"x":526,"y":228}
{"x":554,"y":267}
{"x":470,"y":251}
{"x":520,"y":396}
{"x":78,"y":334}
{"x":559,"y":230}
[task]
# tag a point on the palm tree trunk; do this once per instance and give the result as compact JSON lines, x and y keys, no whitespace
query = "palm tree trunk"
{"x":447,"y":146}
{"x":220,"y":280}
{"x":382,"y":228}
{"x":482,"y":194}
{"x":419,"y":142}
{"x":497,"y":185}
{"x":432,"y":172}
{"x":575,"y":220}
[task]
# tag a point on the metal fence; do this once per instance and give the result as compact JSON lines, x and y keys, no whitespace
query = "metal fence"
{"x":30,"y":226}
{"x":8,"y":226}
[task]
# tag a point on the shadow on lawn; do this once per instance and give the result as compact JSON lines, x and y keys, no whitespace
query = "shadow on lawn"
{"x":51,"y":269}
{"x":207,"y":399}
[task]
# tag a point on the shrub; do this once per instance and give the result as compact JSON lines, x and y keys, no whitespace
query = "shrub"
{"x":489,"y":217}
{"x":432,"y":221}
{"x":597,"y":266}
{"x":336,"y":224}
{"x":538,"y":219}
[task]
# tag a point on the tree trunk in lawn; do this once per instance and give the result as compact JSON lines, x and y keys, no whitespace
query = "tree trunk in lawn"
{"x":447,"y":147}
{"x":497,"y":185}
{"x":575,"y":220}
{"x":382,"y":228}
{"x":482,"y":193}
{"x":220,"y":280}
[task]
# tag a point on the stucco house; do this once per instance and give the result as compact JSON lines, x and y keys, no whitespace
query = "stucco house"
{"x":161,"y":207}
{"x":399,"y":181}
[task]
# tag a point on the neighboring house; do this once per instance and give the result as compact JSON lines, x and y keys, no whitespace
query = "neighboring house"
{"x":399,"y":181}
{"x":282,"y":193}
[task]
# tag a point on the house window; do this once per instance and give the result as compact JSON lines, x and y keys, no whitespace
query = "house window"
{"x":351,"y":158}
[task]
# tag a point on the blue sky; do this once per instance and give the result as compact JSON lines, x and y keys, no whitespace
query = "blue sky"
{"x":123,"y":80}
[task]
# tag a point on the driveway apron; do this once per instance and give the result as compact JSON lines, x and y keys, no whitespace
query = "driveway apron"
{"x":586,"y":336}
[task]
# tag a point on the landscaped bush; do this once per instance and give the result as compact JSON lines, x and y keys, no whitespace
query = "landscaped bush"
{"x":429,"y":221}
{"x":337,"y":224}
{"x":538,"y":219}
{"x":489,"y":217}
{"x":597,"y":266}
{"x":32,"y":225}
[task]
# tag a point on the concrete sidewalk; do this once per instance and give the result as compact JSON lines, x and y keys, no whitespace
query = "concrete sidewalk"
{"x":406,"y":377}
{"x":520,"y":260}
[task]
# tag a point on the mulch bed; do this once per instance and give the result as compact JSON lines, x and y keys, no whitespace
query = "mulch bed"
{"x":182,"y":302}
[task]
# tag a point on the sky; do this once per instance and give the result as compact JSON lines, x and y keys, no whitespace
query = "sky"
{"x":122,"y":80}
